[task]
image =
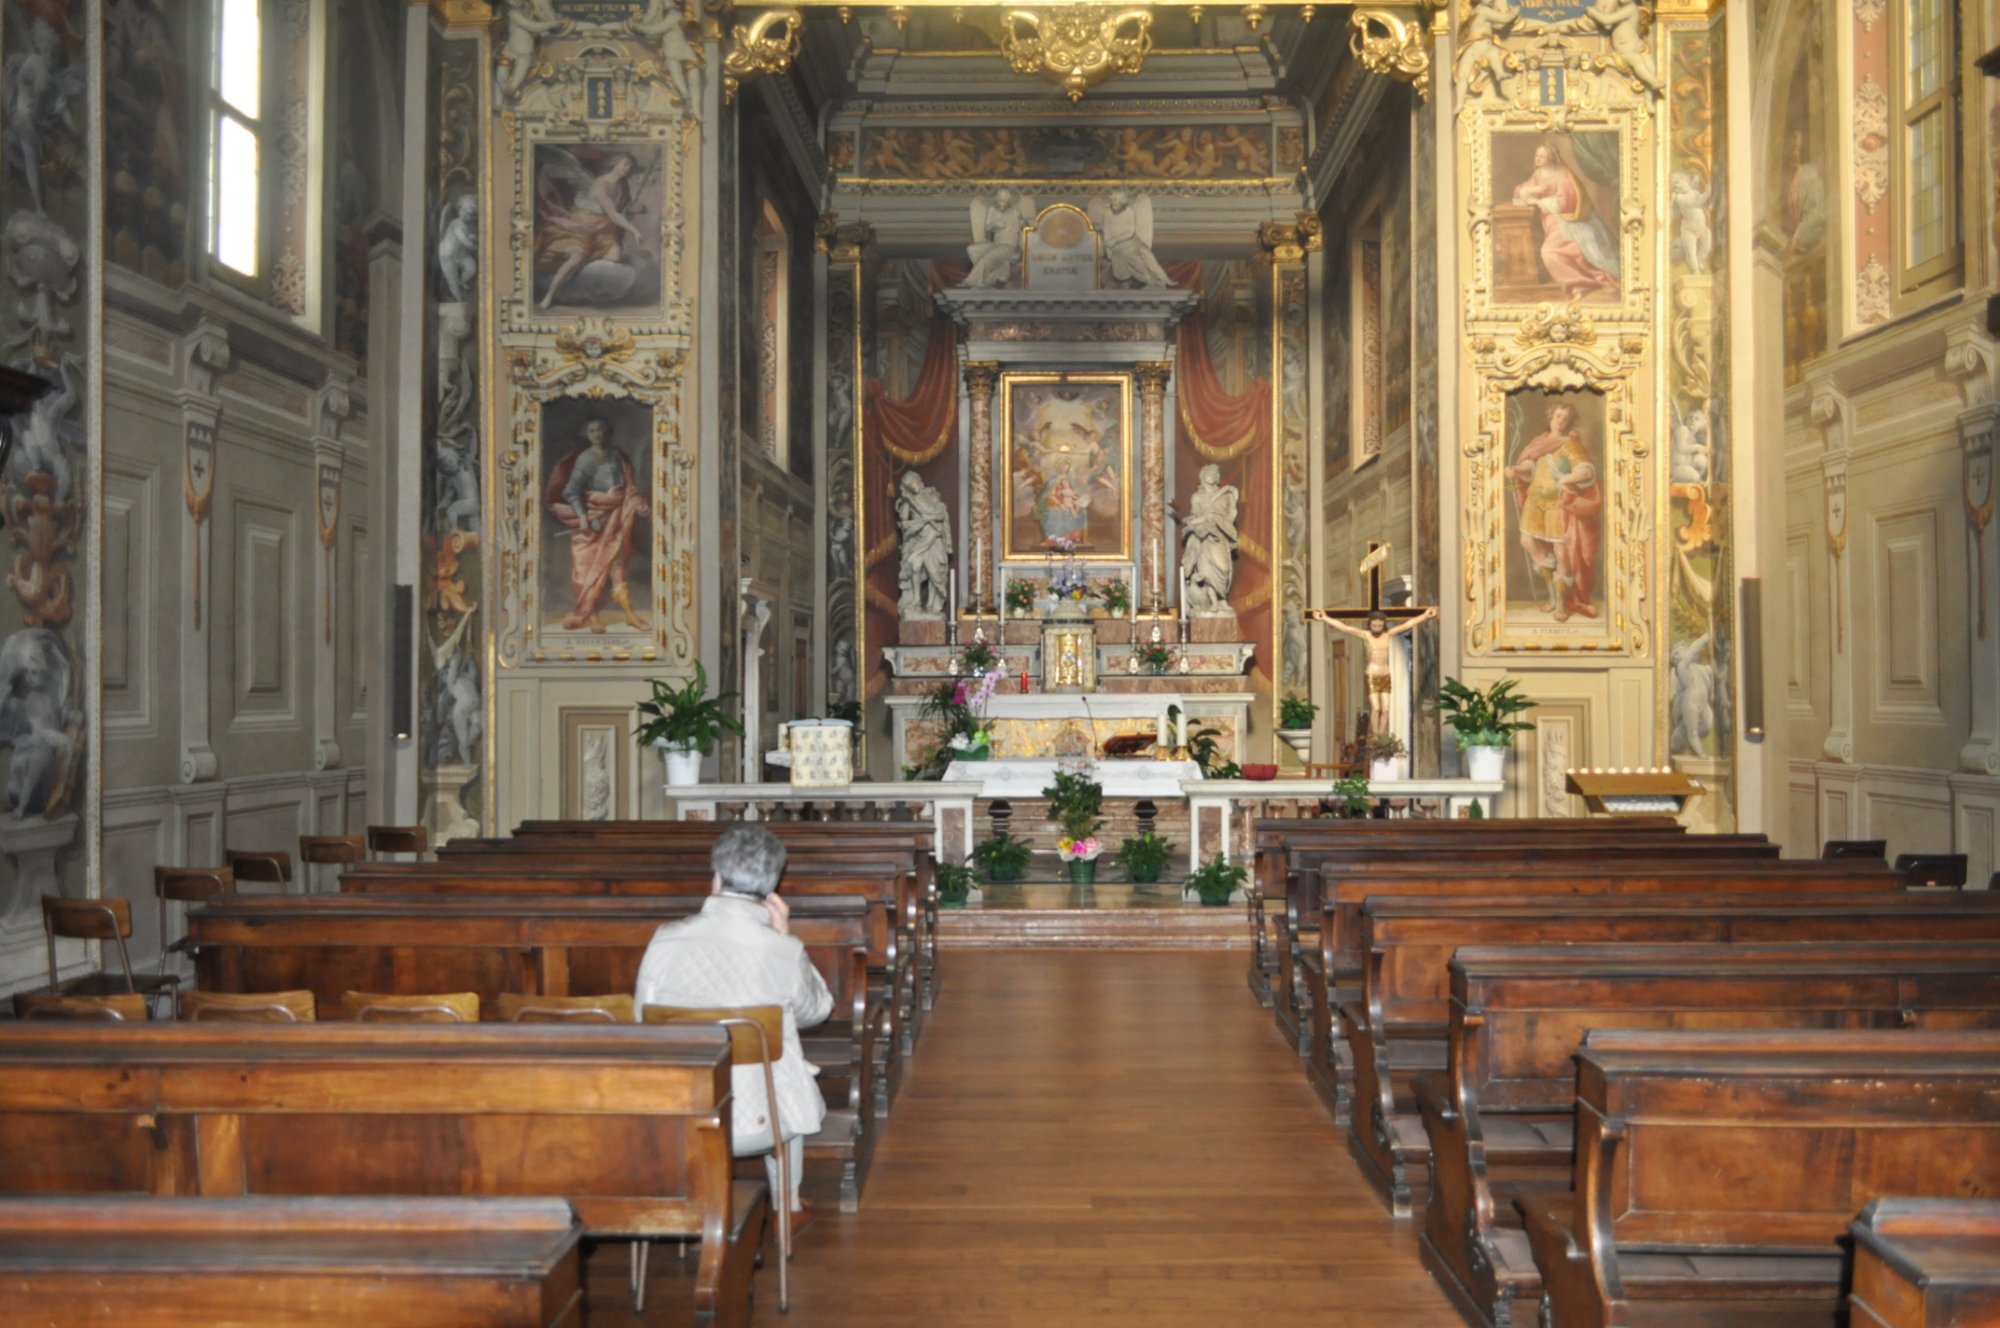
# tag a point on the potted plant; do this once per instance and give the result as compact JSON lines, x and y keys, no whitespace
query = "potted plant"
{"x":1353,"y":794}
{"x":1076,"y":803}
{"x":1001,"y":859}
{"x":1081,"y":857}
{"x":685,"y":723}
{"x":1215,"y":880}
{"x":1385,"y":751}
{"x":1114,"y":596}
{"x":1020,"y":597}
{"x":1482,"y":718}
{"x":1144,"y":856}
{"x":1295,"y":718}
{"x":954,"y":884}
{"x":1155,"y":657}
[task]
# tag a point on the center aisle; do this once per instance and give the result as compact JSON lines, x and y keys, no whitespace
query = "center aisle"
{"x":1106,"y":1138}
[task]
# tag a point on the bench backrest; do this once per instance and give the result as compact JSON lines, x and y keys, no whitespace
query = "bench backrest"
{"x":631,"y":1125}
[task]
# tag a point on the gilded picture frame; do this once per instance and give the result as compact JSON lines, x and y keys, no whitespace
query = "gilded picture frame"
{"x":1060,"y":476}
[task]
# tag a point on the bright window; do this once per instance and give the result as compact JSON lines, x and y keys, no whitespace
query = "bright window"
{"x":1927,"y":155}
{"x":236,"y":149}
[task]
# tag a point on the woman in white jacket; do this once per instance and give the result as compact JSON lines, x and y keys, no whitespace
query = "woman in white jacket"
{"x":739,"y":950}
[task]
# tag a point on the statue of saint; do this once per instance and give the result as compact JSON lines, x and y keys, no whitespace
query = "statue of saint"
{"x":923,"y":527}
{"x":1208,"y":546}
{"x":995,"y":250}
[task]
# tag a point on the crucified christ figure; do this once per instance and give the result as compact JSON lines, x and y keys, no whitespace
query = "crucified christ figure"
{"x":1375,"y":640}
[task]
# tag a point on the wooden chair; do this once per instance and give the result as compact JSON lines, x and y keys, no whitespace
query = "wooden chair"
{"x":398,"y":839}
{"x":126,"y":1009}
{"x":98,"y":920}
{"x":188,"y":885}
{"x":1856,"y":848}
{"x":331,"y":851}
{"x":256,"y":1007}
{"x":455,"y":1007}
{"x":515,"y":1009}
{"x":262,"y":866}
{"x":756,"y":1037}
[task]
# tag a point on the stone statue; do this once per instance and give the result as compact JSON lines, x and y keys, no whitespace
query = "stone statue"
{"x":1208,"y":546}
{"x":1479,"y":50}
{"x":923,"y":527}
{"x":1125,"y":221}
{"x":458,"y":248}
{"x":995,"y":251}
{"x":1375,"y":641}
{"x":528,"y":21}
{"x":38,"y":723}
{"x":680,"y":64}
{"x":1622,"y":22}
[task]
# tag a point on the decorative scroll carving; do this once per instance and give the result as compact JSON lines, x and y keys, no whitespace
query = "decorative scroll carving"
{"x":1387,"y":43}
{"x":1078,"y":45}
{"x":766,"y":45}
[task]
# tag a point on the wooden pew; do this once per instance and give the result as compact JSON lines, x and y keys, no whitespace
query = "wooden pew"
{"x":888,"y":959}
{"x":1716,"y":1173}
{"x":546,"y":946}
{"x":104,"y":1262}
{"x":1926,"y":1263}
{"x":1393,"y":1022}
{"x":631,"y":1125}
{"x":1500,"y":1117}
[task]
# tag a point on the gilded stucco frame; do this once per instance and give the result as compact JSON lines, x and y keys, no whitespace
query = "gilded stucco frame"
{"x":1009,"y":383}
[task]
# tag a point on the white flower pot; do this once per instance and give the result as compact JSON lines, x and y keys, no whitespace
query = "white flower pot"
{"x":1486,"y":763}
{"x":1299,"y":740}
{"x":1385,"y":771}
{"x":683,"y":765}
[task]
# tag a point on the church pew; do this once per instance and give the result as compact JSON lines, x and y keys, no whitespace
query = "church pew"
{"x":1499,"y":1116}
{"x":546,"y":946}
{"x":1393,"y":1023}
{"x":888,"y":955}
{"x":105,"y":1262}
{"x":1716,"y":1173}
{"x":630,"y":1124}
{"x":1926,"y":1263}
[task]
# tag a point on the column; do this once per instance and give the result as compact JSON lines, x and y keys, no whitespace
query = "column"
{"x":1152,"y":587}
{"x":980,"y":376}
{"x":1977,"y":429}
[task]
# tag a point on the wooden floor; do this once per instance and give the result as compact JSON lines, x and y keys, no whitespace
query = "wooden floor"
{"x":1101,"y":1138}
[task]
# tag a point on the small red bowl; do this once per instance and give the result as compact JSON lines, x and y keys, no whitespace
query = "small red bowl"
{"x":1260,"y":772}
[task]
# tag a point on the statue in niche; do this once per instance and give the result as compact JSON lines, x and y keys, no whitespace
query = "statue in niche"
{"x":923,"y":528}
{"x":995,"y":250}
{"x":1208,"y":546}
{"x":679,"y":64}
{"x":38,"y":723}
{"x":1125,"y":220}
{"x":528,"y":21}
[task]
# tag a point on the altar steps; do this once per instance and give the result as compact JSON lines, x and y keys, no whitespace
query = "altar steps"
{"x":1057,"y":915}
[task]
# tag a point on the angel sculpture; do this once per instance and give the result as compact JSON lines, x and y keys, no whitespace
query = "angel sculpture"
{"x":528,"y":21}
{"x":584,"y":221}
{"x":1479,"y":50}
{"x":458,"y":247}
{"x":995,"y":250}
{"x":1125,"y":221}
{"x":43,"y":445}
{"x":679,"y":64}
{"x":1623,"y":23}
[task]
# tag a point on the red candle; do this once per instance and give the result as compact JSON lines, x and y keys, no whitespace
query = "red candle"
{"x":1024,"y":682}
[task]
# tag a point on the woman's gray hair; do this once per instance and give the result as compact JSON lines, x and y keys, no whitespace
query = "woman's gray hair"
{"x":749,"y":859}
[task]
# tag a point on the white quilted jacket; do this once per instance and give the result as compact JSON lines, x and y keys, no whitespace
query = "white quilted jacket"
{"x":729,"y":954}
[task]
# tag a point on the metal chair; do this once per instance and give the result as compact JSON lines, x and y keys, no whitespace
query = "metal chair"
{"x":249,"y":1007}
{"x":398,"y":839}
{"x":261,"y":867}
{"x":515,"y":1009}
{"x":98,"y":920}
{"x":756,"y":1037}
{"x":331,"y":851}
{"x":119,"y":1009}
{"x":454,"y":1007}
{"x":187,"y":885}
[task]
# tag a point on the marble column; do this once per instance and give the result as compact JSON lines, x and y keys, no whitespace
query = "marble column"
{"x":980,"y":376}
{"x":1152,"y":587}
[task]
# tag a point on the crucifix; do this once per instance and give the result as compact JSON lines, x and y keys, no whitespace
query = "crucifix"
{"x":1377,"y":634}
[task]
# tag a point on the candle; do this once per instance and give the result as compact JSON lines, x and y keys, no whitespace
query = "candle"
{"x":951,"y":590}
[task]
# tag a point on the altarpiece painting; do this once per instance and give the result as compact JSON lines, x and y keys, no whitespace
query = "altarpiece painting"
{"x":1067,"y":465}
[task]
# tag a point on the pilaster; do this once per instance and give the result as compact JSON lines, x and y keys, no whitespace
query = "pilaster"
{"x":204,"y":356}
{"x":1977,"y":432}
{"x":332,"y":406}
{"x":1830,"y":412}
{"x":1153,"y":379}
{"x":980,"y":377}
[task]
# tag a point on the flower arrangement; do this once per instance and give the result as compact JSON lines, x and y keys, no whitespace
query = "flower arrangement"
{"x":1155,"y":656}
{"x":979,"y":657}
{"x":1114,"y":595}
{"x":1020,"y":596}
{"x":1079,"y":850}
{"x":973,"y":737}
{"x":1066,"y":578}
{"x":1384,"y":747}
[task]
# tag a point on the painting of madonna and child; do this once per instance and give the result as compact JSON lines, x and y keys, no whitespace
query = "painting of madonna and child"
{"x":1068,"y":464}
{"x":1555,"y":218}
{"x":597,"y":226}
{"x":1555,"y":488}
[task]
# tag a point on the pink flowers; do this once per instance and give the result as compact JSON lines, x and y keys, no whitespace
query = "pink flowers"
{"x":1079,"y":850}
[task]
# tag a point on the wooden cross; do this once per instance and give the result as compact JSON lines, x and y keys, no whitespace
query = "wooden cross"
{"x":1378,"y":555}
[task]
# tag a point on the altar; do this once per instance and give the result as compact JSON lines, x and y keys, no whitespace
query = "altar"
{"x":1039,"y":725}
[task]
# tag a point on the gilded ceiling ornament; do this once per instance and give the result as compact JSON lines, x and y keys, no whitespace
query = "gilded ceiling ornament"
{"x":766,"y":45}
{"x":1388,"y":43}
{"x":1078,"y":45}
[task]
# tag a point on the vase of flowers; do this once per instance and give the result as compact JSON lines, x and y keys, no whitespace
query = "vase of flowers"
{"x":1069,"y":588}
{"x":1020,"y":597}
{"x":972,"y":738}
{"x":1113,"y":595}
{"x":1081,"y":856}
{"x":1155,"y":657}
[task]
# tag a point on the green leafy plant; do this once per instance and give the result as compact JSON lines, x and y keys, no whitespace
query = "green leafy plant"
{"x":1205,"y":750}
{"x":1115,"y":597}
{"x":1384,"y":747}
{"x":1215,"y":880}
{"x":1296,"y":712}
{"x":847,"y":710}
{"x":978,"y":658}
{"x":1001,"y":858}
{"x":1076,"y":803}
{"x":1483,"y":716}
{"x":1020,"y":595}
{"x":1144,"y":856}
{"x":946,"y":710}
{"x":954,"y":883}
{"x":1154,"y":656}
{"x":1353,"y":793}
{"x":686,"y":716}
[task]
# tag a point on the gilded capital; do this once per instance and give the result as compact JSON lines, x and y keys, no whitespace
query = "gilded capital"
{"x":980,"y":376}
{"x":842,"y":244}
{"x":1291,"y":241}
{"x":1153,"y":376}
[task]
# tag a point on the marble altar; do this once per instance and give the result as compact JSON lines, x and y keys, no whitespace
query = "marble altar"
{"x":1162,"y":781}
{"x":1045,"y":725}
